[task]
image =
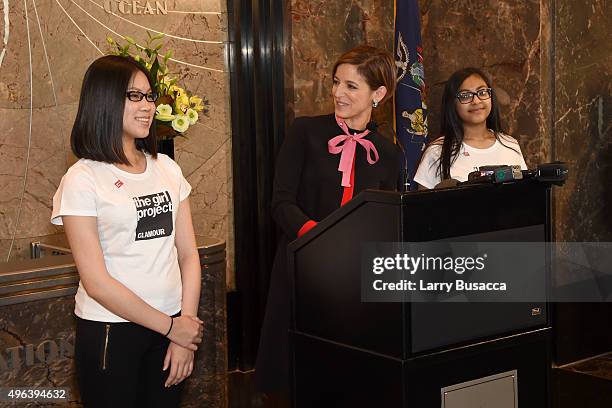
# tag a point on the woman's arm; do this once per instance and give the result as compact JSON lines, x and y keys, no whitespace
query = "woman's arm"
{"x":179,"y":359}
{"x":188,"y":259}
{"x":82,"y":234}
{"x":287,"y":176}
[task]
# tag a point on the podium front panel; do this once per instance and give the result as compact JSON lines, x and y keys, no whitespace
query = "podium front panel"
{"x":327,"y":282}
{"x":515,"y":212}
{"x":436,"y":325}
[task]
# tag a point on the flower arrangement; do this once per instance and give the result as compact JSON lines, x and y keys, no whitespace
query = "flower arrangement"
{"x":176,"y":109}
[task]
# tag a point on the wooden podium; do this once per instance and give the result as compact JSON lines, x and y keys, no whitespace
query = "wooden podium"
{"x":349,"y":353}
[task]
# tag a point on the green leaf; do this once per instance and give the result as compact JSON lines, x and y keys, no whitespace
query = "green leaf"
{"x":154,"y":70}
{"x":129,"y":40}
{"x":158,"y":36}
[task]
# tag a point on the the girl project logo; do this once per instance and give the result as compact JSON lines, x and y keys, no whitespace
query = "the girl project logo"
{"x":154,"y":212}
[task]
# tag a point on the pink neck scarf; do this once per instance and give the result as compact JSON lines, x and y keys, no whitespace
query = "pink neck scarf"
{"x":348,"y":150}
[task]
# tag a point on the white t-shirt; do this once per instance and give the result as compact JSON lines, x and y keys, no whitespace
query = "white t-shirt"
{"x":136,"y":215}
{"x":468,"y":159}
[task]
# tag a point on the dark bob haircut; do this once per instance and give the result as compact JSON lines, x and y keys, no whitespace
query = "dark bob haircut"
{"x":375,"y":65}
{"x":98,"y":128}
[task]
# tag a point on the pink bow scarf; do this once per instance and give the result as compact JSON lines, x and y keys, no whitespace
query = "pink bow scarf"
{"x":347,"y":149}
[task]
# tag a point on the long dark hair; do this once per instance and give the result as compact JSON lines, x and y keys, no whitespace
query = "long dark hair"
{"x":98,"y":127}
{"x":451,"y":125}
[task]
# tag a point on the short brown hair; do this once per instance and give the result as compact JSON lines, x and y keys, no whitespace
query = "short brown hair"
{"x":375,"y":65}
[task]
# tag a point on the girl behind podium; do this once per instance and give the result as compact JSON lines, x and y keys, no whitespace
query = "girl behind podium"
{"x":308,"y":184}
{"x":471,"y":132}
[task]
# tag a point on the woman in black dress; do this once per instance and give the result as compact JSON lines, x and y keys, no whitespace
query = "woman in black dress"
{"x":324,"y":162}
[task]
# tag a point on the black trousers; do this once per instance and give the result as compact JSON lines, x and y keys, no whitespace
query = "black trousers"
{"x":120,"y":365}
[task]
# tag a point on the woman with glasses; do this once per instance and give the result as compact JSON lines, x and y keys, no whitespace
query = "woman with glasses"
{"x":126,"y":214}
{"x":471,"y":133}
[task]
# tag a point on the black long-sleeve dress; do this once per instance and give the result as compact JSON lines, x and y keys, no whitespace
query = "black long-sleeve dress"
{"x":307,"y":186}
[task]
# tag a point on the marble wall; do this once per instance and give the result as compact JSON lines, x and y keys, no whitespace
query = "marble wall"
{"x":45,"y":49}
{"x":455,"y":34}
{"x":582,"y":120}
{"x":462,"y":33}
{"x":550,"y":63}
{"x":320,"y":32}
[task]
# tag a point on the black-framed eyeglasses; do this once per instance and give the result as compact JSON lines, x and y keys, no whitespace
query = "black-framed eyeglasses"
{"x":468,"y":96}
{"x":136,"y":96}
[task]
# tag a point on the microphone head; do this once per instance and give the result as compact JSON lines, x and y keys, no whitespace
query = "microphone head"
{"x":555,"y":173}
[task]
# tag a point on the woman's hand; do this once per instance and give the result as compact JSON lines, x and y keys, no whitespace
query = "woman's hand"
{"x":186,"y":331}
{"x":180,"y":361}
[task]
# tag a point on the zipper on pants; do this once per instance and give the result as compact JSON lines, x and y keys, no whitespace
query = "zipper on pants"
{"x":104,"y":354}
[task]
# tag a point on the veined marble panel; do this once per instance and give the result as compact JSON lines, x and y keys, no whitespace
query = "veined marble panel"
{"x":461,"y":33}
{"x":14,"y":74}
{"x":211,"y":184}
{"x":321,"y":32}
{"x":10,"y":198}
{"x":583,"y":120}
{"x":65,"y":36}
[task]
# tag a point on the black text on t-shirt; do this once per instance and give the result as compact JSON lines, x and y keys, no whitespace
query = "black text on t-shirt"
{"x":154,"y":212}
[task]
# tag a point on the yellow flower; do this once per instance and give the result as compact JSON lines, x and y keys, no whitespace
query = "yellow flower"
{"x":177,"y":107}
{"x":164,"y":113}
{"x":180,"y":123}
{"x":196,"y":103}
{"x":176,"y":90}
{"x":181,"y":101}
{"x":192,"y":115}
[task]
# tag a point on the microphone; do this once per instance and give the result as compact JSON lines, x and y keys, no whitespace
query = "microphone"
{"x":372,"y":126}
{"x":554,"y":173}
{"x":494,"y":174}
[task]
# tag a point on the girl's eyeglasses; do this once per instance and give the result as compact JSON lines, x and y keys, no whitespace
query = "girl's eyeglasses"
{"x":136,"y":96}
{"x":468,"y":96}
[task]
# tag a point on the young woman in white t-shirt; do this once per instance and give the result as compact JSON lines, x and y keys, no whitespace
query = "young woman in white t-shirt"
{"x":471,"y":134}
{"x":126,"y":214}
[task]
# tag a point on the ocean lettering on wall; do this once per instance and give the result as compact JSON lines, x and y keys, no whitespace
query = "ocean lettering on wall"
{"x":136,"y":7}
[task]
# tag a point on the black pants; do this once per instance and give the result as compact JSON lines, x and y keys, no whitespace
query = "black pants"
{"x":120,"y":365}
